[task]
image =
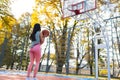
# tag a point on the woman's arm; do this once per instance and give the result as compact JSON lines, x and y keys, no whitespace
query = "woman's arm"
{"x":42,"y":38}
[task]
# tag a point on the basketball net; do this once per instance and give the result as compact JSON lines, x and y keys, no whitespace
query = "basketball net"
{"x":80,"y":17}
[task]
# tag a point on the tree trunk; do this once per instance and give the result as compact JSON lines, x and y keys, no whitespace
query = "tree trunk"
{"x":77,"y":64}
{"x":59,"y":66}
{"x":3,"y":50}
{"x":22,"y":55}
{"x":118,"y":41}
{"x":93,"y":54}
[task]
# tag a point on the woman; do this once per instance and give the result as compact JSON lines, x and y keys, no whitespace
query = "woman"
{"x":35,"y":50}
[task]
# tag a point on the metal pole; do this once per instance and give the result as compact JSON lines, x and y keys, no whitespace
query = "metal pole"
{"x":96,"y":60}
{"x":107,"y":44}
{"x":107,"y":47}
{"x":108,"y":59}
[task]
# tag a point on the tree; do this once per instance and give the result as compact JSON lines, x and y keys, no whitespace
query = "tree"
{"x":7,"y":21}
{"x":51,"y":10}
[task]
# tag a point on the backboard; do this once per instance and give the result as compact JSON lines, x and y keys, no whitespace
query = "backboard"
{"x":76,"y":7}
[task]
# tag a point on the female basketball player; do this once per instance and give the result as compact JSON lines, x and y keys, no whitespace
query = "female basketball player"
{"x":37,"y":37}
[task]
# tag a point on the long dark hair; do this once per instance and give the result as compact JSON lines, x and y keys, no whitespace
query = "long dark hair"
{"x":35,"y":29}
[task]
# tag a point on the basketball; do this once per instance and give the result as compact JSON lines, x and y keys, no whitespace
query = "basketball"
{"x":45,"y":33}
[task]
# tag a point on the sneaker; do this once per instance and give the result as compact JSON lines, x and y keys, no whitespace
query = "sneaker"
{"x":28,"y":78}
{"x":34,"y":79}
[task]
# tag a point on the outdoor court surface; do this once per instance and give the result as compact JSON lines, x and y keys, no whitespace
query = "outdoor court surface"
{"x":44,"y":77}
{"x":22,"y":77}
{"x":19,"y":75}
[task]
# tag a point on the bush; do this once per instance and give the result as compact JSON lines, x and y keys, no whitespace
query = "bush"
{"x":103,"y":72}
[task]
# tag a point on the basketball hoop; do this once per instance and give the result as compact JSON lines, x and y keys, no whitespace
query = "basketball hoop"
{"x":76,"y":8}
{"x":76,"y":11}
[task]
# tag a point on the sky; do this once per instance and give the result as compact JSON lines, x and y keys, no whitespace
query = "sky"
{"x":18,"y":7}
